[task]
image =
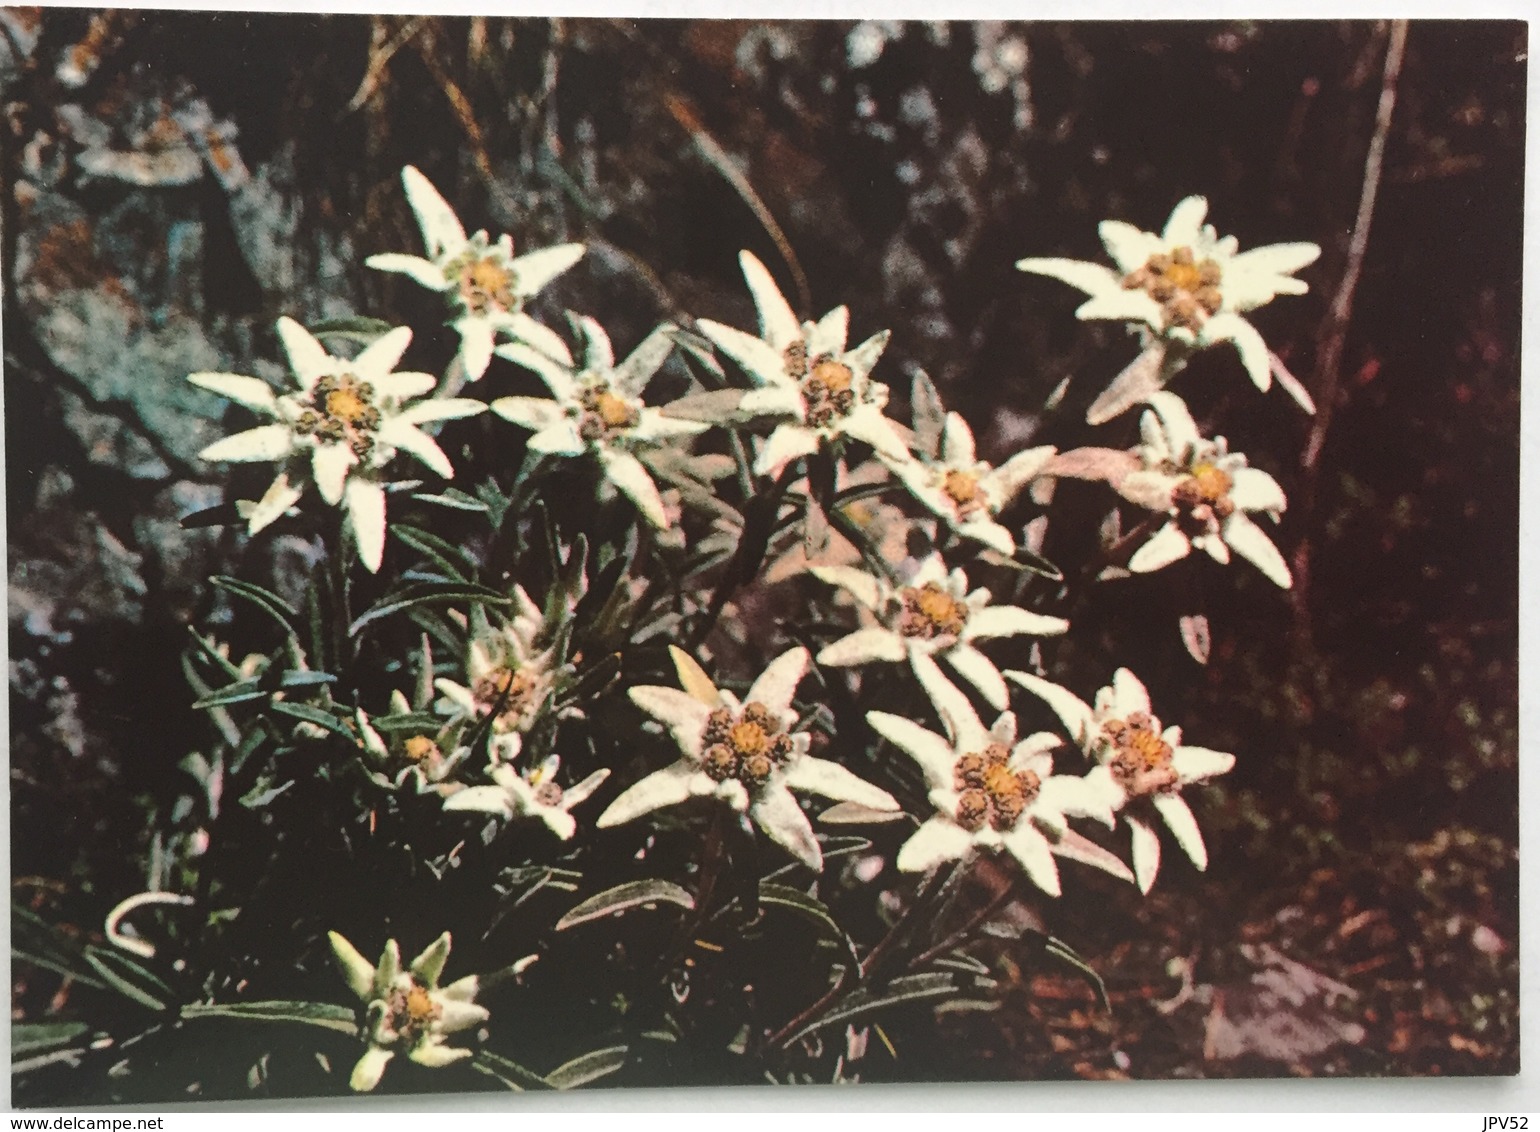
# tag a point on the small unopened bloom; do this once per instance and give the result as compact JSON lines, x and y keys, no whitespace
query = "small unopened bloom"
{"x":420,"y":759}
{"x":598,"y":409}
{"x":1140,"y":769}
{"x":485,"y":283}
{"x":342,"y":426}
{"x":805,"y":374}
{"x":1188,"y":285}
{"x":933,"y":617}
{"x":536,"y":793}
{"x":1207,"y":492}
{"x":510,"y":681}
{"x":746,"y":755}
{"x":406,"y":1009}
{"x":990,"y":792}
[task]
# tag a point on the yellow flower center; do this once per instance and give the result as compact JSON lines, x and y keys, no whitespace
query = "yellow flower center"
{"x":1141,"y":760}
{"x":1186,"y":288}
{"x":341,"y":410}
{"x":928,"y":611}
{"x":1205,"y":494}
{"x":748,"y":747}
{"x":963,"y":489}
{"x":419,"y":748}
{"x":991,"y":791}
{"x":605,"y":413}
{"x":420,"y":1008}
{"x":828,"y":392}
{"x":514,"y":696}
{"x":485,"y":283}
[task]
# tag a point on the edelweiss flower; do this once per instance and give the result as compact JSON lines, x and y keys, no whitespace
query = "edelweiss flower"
{"x":743,"y":754}
{"x":1140,"y":769}
{"x":481,"y":279}
{"x":932,"y":616}
{"x":1187,"y":285}
{"x":804,"y":372}
{"x":1206,"y":489}
{"x":965,"y":491}
{"x":418,"y":759}
{"x":347,"y":420}
{"x":599,"y":409}
{"x":535,"y":794}
{"x":990,"y":791}
{"x":407,"y":1009}
{"x":509,"y":680}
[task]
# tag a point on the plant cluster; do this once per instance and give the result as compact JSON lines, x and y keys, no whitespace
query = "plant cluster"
{"x":698,"y":702}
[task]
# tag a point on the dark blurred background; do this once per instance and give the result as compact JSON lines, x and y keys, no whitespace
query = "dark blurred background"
{"x":175,"y":181}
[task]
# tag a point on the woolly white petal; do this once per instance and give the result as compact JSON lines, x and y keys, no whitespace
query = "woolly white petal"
{"x":541,"y":337}
{"x":1252,"y":489}
{"x":864,"y":646}
{"x":476,"y":342}
{"x":429,"y":965}
{"x":329,"y":465}
{"x":939,"y":839}
{"x":380,"y":357}
{"x":485,"y":799}
{"x":273,"y":505}
{"x":625,"y":471}
{"x":1251,"y":543}
{"x":441,"y":229}
{"x":1181,"y":431}
{"x":1009,"y":621}
{"x":369,"y":1069}
{"x":357,"y":971}
{"x":831,"y":780}
{"x":869,"y":425}
{"x":402,"y":386}
{"x":778,"y":682}
{"x":683,"y":714}
{"x":761,"y":361}
{"x":1195,"y":764}
{"x":863,"y":358}
{"x":830,"y":334}
{"x":419,"y":444}
{"x":436,"y":1055}
{"x":1168,"y":545}
{"x":269,"y":442}
{"x":962,"y":723}
{"x":1129,"y":247}
{"x":1149,"y":488}
{"x":1186,"y":222}
{"x":533,"y":413}
{"x":441,"y":409}
{"x":1005,"y":482}
{"x":976,"y":668}
{"x":531,"y":272}
{"x":861,"y":585}
{"x":1092,"y":278}
{"x":580,"y":793}
{"x":1121,"y":306}
{"x":1253,"y":350}
{"x":778,"y":325}
{"x":667,"y":787}
{"x":307,"y":357}
{"x":1278,"y":259}
{"x":1146,"y":853}
{"x":459,"y":1015}
{"x":776,"y":812}
{"x":1183,"y":826}
{"x":633,"y":374}
{"x":557,"y":376}
{"x":252,"y":392}
{"x":787,"y":443}
{"x":1071,"y":709}
{"x":935,"y":756}
{"x":1030,"y":847}
{"x":429,"y":274}
{"x":366,"y":517}
{"x":559,"y":439}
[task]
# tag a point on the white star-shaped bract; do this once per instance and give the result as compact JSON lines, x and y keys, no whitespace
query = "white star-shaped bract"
{"x":508,"y":678}
{"x":1188,"y":285}
{"x":803,"y":372}
{"x":1140,"y":770}
{"x":966,"y":492}
{"x":933,"y":616}
{"x":990,"y":792}
{"x":418,"y":759}
{"x":598,"y":409}
{"x":1206,"y":490}
{"x":406,"y":1008}
{"x":343,"y":425}
{"x":745,"y":755}
{"x":482,"y":279}
{"x":533,"y":794}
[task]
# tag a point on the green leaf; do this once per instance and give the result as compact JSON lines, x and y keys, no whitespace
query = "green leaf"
{"x":422,"y":593}
{"x":352,"y":329}
{"x":455,"y":500}
{"x":265,"y":600}
{"x":343,"y":1019}
{"x":624,"y":896}
{"x":419,"y":721}
{"x":809,"y":908}
{"x":449,"y":558}
{"x":718,"y":407}
{"x":513,"y":1075}
{"x":263,"y":792}
{"x":128,"y":978}
{"x":1068,"y":955}
{"x":237,"y":693}
{"x":34,"y":940}
{"x":909,"y":988}
{"x":588,"y":1068}
{"x":36,"y":1037}
{"x":315,"y":715}
{"x":304,"y":678}
{"x":211,"y":654}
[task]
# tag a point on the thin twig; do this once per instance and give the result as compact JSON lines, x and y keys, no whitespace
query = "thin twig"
{"x":1333,"y":335}
{"x":381,"y":51}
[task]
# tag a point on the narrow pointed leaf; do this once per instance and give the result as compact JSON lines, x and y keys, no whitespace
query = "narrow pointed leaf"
{"x":630,"y":895}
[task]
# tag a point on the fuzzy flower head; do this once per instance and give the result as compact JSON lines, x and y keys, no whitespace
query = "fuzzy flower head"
{"x":990,"y":792}
{"x":509,"y":680}
{"x":933,"y":616}
{"x":744,"y":754}
{"x":1206,"y":490}
{"x":343,"y":425}
{"x":966,"y":492}
{"x":417,"y":759}
{"x":1140,"y":769}
{"x":1188,"y":284}
{"x":483,"y":281}
{"x":535,"y":793}
{"x":406,"y":1009}
{"x":804,"y":373}
{"x":598,"y":409}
